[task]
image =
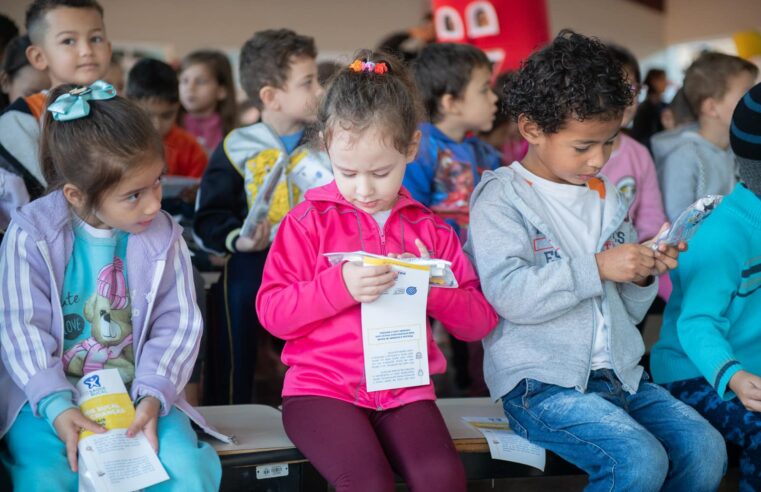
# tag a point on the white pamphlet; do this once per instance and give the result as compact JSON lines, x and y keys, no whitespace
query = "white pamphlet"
{"x":113,"y":462}
{"x":504,"y":444}
{"x":394,"y":331}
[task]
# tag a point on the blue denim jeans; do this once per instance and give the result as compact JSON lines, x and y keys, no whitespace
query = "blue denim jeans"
{"x":640,"y":442}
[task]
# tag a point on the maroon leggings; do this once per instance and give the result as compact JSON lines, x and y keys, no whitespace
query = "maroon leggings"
{"x":356,"y":448}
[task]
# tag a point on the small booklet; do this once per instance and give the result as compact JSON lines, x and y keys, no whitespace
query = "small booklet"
{"x":686,"y":225}
{"x":441,"y":270}
{"x":113,"y":462}
{"x":394,"y":333}
{"x":504,"y":444}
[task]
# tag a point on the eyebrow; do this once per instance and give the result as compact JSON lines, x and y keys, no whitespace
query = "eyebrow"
{"x":73,"y":33}
{"x":589,"y":142}
{"x":132,"y":192}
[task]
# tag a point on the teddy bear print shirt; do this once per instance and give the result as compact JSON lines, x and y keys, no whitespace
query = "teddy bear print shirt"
{"x":96,"y":304}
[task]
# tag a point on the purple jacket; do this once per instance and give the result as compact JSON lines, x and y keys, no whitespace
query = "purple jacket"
{"x":166,"y":320}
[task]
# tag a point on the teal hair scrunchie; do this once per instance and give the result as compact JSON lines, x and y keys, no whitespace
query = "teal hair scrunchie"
{"x":74,"y":105}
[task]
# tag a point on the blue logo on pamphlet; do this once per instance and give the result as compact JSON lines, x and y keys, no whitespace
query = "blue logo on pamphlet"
{"x":411,"y":291}
{"x":92,"y":382}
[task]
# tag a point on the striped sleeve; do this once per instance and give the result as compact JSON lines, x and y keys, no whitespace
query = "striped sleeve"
{"x":28,"y":346}
{"x":175,"y":326}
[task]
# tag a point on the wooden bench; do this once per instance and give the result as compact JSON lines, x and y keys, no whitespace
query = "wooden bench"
{"x":263,"y":450}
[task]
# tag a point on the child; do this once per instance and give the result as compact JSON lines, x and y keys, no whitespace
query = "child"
{"x":97,"y":249}
{"x":647,"y":120}
{"x":17,"y":77}
{"x":368,"y":121}
{"x":504,"y":135}
{"x":454,"y":81}
{"x":555,"y":252}
{"x":207,"y":93}
{"x":69,"y":43}
{"x":152,"y":84}
{"x":703,"y":164}
{"x":630,"y":167}
{"x":455,"y":84}
{"x":707,"y":355}
{"x":278,"y":71}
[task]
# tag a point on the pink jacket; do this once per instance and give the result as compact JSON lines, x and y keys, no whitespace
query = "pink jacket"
{"x":304,"y":300}
{"x":631,"y":169}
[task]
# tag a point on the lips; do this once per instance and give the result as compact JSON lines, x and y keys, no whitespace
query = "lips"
{"x":371,"y":204}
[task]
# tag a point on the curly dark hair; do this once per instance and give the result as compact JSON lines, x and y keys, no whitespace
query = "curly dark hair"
{"x":575,"y":76}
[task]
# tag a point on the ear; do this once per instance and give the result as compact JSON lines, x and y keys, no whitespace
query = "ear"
{"x":222,"y":93}
{"x":414,"y":146}
{"x":529,"y":129}
{"x":74,"y":196}
{"x":36,"y":57}
{"x":5,"y":83}
{"x":449,"y":104}
{"x":268,"y":96}
{"x":708,"y":107}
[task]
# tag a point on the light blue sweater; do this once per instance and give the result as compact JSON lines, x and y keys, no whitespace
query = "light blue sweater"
{"x":712,"y":324}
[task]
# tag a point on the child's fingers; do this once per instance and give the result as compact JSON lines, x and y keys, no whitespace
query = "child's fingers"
{"x":137,"y":425}
{"x":151,"y":435}
{"x":424,"y":253}
{"x":72,"y":439}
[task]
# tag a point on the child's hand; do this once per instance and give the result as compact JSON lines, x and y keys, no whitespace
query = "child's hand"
{"x":626,"y":263}
{"x":666,"y":254}
{"x":146,"y":420}
{"x":67,"y":425}
{"x":747,"y":387}
{"x":367,"y":283}
{"x":258,"y":242}
{"x":420,"y":246}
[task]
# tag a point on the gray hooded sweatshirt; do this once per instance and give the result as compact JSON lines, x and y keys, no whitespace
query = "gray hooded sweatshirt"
{"x":546,"y":300}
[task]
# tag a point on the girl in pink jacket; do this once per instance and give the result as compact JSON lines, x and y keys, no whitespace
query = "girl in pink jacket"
{"x":368,"y":120}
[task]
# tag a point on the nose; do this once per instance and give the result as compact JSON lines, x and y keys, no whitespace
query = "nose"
{"x":599,"y":157}
{"x":153,"y":202}
{"x":85,"y":49}
{"x":363,"y":187}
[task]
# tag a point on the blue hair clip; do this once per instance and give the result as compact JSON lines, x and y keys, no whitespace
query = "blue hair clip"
{"x":73,"y":104}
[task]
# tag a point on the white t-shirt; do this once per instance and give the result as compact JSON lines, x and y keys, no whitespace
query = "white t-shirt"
{"x":575,"y":214}
{"x":381,"y":217}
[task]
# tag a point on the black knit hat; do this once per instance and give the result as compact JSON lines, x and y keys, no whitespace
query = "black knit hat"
{"x":745,"y":138}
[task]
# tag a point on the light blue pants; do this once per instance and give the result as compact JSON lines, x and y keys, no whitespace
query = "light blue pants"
{"x":648,"y":441}
{"x":36,"y":458}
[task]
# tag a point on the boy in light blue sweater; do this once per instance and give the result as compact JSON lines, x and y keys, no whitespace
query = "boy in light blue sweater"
{"x":559,"y":261}
{"x":708,"y":355}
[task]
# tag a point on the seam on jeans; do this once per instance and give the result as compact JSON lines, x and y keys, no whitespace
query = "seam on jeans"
{"x":577,"y":438}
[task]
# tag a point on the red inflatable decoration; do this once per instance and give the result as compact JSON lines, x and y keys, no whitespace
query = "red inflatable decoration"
{"x":507,"y":30}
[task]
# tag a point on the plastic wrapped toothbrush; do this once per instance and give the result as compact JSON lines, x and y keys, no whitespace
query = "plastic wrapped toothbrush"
{"x":686,"y":225}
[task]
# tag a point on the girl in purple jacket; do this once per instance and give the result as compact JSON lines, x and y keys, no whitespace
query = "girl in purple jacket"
{"x":93,"y":275}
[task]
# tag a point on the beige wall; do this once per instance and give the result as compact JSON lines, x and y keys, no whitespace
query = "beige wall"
{"x":340,"y":26}
{"x":626,"y":23}
{"x":689,"y":20}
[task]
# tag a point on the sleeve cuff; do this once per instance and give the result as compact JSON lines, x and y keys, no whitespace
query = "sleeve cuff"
{"x":341,"y":298}
{"x":586,"y":277}
{"x":156,"y":386}
{"x":55,"y":404}
{"x":232,"y":236}
{"x":722,"y":379}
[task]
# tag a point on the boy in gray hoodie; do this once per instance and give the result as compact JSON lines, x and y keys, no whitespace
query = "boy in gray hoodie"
{"x":559,"y":261}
